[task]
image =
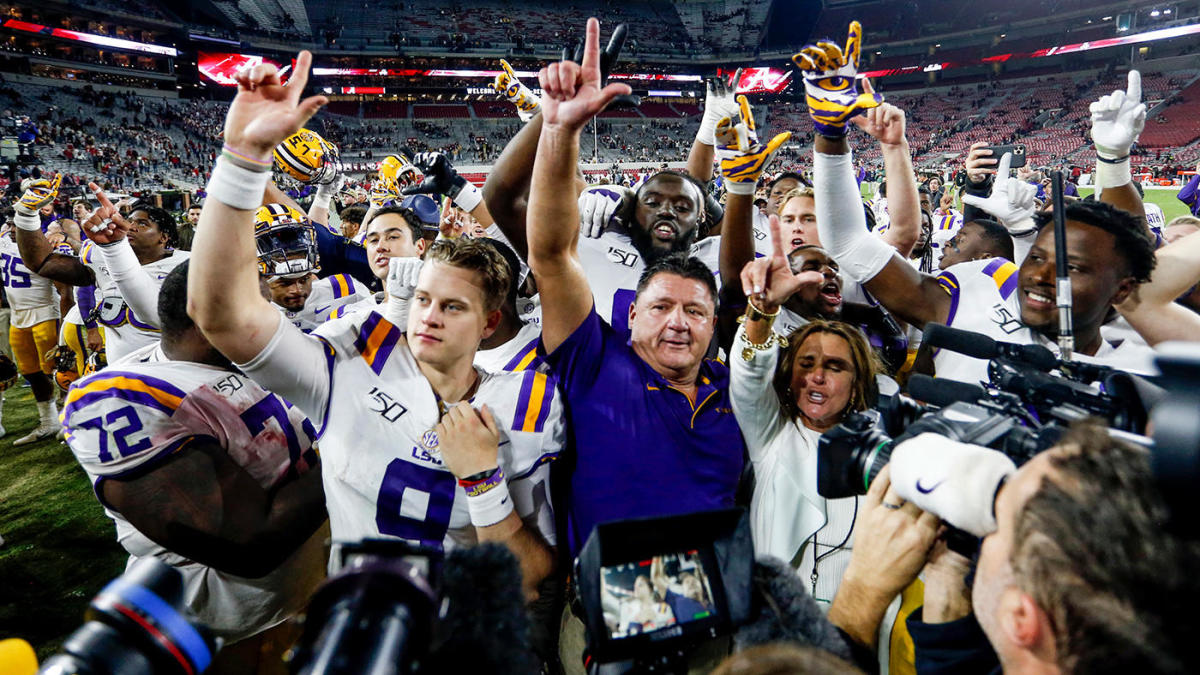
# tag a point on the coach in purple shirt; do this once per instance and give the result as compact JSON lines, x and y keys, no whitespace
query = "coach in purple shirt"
{"x":650,"y":421}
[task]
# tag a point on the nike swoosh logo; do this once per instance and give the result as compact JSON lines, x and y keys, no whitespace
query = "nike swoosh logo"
{"x":926,"y":490}
{"x":504,"y":501}
{"x":321,"y":309}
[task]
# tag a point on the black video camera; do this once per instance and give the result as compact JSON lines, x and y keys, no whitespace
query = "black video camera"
{"x":654,"y":588}
{"x":137,"y":625}
{"x":852,"y":454}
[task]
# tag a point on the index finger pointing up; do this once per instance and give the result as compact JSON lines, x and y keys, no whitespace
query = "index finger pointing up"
{"x":300,"y":75}
{"x":101,"y":196}
{"x":776,"y":237}
{"x":1134,"y":91}
{"x":591,"y":49}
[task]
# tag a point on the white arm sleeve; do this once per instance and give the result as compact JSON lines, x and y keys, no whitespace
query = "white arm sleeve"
{"x":296,"y":366}
{"x":136,"y":286}
{"x":752,"y":396}
{"x":841,"y":223}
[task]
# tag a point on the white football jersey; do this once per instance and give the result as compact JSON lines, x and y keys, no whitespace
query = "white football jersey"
{"x":984,"y":299}
{"x":382,"y":470}
{"x":328,"y":295}
{"x":762,"y":234}
{"x":519,"y":353}
{"x":126,"y":418}
{"x":31,"y":297}
{"x":124,"y":332}
{"x":1155,"y":217}
{"x":613,"y":267}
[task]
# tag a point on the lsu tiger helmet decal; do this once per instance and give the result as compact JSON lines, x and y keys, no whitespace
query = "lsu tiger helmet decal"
{"x":308,"y":158}
{"x":286,"y":242}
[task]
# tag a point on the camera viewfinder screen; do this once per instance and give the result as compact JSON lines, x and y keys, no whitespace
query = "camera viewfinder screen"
{"x":650,"y":595}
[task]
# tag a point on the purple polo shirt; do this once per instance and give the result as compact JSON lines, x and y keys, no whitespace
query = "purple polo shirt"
{"x":642,"y":448}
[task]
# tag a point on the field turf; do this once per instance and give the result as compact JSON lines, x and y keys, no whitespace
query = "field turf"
{"x":59,"y":548}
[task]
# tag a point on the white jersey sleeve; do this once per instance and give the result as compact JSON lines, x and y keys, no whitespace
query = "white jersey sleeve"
{"x":125,"y":331}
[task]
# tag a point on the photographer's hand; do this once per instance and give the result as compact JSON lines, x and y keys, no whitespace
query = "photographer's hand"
{"x":891,"y":543}
{"x":947,"y":597}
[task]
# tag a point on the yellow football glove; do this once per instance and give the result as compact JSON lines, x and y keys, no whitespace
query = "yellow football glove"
{"x":830,"y":86}
{"x":38,"y":194}
{"x":507,"y":85}
{"x":742,"y":158}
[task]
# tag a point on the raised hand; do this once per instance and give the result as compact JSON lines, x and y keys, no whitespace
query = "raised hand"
{"x":719,"y":103}
{"x":599,"y":206}
{"x":829,"y":83}
{"x":507,"y":85}
{"x":38,"y":194}
{"x":979,"y":162}
{"x":440,"y":176}
{"x":105,"y":225}
{"x":402,"y":277}
{"x":573,"y":95}
{"x":1118,"y":119}
{"x":469,"y":440}
{"x":769,"y":282}
{"x":265,"y":112}
{"x":742,"y":158}
{"x":1011,"y":200}
{"x":884,"y":123}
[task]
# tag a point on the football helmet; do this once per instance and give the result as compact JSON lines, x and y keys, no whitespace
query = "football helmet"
{"x":395,"y":173}
{"x":287,"y":244}
{"x":308,"y":158}
{"x":65,"y":370}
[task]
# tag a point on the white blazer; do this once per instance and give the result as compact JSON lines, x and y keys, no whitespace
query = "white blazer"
{"x":785,"y":509}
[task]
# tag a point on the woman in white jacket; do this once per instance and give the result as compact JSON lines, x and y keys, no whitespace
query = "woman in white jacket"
{"x":786,"y":392}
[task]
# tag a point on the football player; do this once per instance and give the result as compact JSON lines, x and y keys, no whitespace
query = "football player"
{"x":203,"y":469}
{"x":417,"y":443}
{"x":32,"y":333}
{"x":126,"y":260}
{"x":287,"y":258}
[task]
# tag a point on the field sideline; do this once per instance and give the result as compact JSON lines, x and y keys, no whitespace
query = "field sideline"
{"x":59,"y":548}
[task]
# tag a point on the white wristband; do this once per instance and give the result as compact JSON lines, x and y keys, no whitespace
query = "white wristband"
{"x":395,"y":310}
{"x":237,"y":187}
{"x":491,"y":507}
{"x":707,"y":134}
{"x":1112,"y":175}
{"x":746,"y":188}
{"x":26,"y":221}
{"x":468,"y":197}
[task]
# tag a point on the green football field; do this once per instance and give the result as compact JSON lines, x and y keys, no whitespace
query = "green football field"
{"x":1172,"y":207}
{"x":59,"y":548}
